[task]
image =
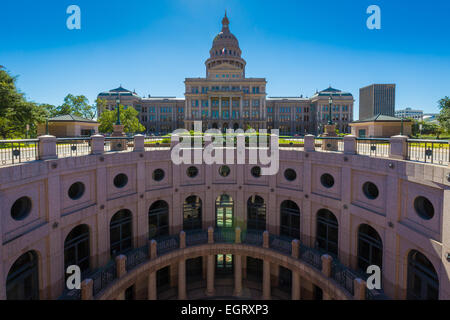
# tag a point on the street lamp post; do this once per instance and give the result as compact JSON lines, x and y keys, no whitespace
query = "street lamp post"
{"x":118,"y":110}
{"x":330,"y":101}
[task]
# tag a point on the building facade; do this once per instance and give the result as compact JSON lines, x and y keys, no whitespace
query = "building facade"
{"x":226,"y":99}
{"x":376,"y":99}
{"x":409,"y":113}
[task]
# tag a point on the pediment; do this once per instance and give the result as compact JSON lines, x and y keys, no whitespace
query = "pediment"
{"x":224,"y":66}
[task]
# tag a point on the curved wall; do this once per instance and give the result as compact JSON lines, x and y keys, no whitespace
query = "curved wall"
{"x":392,"y":214}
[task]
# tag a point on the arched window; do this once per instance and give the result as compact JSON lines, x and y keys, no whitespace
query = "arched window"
{"x":158,"y":219}
{"x":120,"y":232}
{"x":256,"y":213}
{"x":370,"y":247}
{"x":290,"y":219}
{"x":76,"y":248}
{"x":192,"y":213}
{"x":224,"y":211}
{"x":327,"y":232}
{"x":423,"y":282}
{"x":22,"y":282}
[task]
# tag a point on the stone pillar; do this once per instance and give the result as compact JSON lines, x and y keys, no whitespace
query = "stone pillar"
{"x":210,"y":276}
{"x":220,"y":109}
{"x":360,"y":287}
{"x":139,"y":143}
{"x":182,"y":239}
{"x":47,"y":147}
{"x":237,"y":235}
{"x":295,"y":285}
{"x":332,"y":144}
{"x":152,"y":290}
{"x":266,"y":280}
{"x":295,"y":245}
{"x":87,"y":286}
{"x":153,"y":249}
{"x":237,"y":275}
{"x":118,"y":144}
{"x":326,"y":265}
{"x":309,"y":143}
{"x":121,"y":296}
{"x":182,"y":280}
{"x":121,"y":269}
{"x":97,"y":144}
{"x":210,"y":235}
{"x":350,"y":144}
{"x":398,"y":147}
{"x":241,"y":112}
{"x":266,"y":239}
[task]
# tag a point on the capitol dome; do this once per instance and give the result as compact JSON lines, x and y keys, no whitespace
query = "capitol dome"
{"x":225,"y":48}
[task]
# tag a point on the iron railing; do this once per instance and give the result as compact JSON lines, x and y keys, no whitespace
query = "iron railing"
{"x":224,"y":235}
{"x":17,"y":151}
{"x":429,"y":151}
{"x":252,"y":237}
{"x":311,"y":256}
{"x":373,"y":147}
{"x":196,"y":237}
{"x":136,"y":257}
{"x":280,"y":243}
{"x":70,"y":147}
{"x":343,"y":276}
{"x":103,"y":277}
{"x":167,"y":244}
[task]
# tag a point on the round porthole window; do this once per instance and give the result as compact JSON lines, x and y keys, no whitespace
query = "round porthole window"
{"x":192,"y":172}
{"x":158,"y":174}
{"x":327,"y":180}
{"x":424,"y":208}
{"x":290,"y":174}
{"x":120,"y":180}
{"x":256,"y":172}
{"x":224,"y":171}
{"x":21,"y":208}
{"x":76,"y":190}
{"x":370,"y":190}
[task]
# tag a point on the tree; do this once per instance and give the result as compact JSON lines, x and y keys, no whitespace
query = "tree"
{"x":444,"y":115}
{"x":128,"y":117}
{"x":76,"y":105}
{"x":15,"y":111}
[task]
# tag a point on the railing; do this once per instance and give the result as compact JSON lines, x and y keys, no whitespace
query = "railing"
{"x":224,"y":235}
{"x":280,"y":243}
{"x":167,"y":243}
{"x":196,"y":237}
{"x":311,"y":256}
{"x":252,"y":237}
{"x":69,"y":147}
{"x":103,"y":277}
{"x":432,"y":151}
{"x":374,"y":147}
{"x":136,"y":257}
{"x":341,"y":274}
{"x":17,"y":151}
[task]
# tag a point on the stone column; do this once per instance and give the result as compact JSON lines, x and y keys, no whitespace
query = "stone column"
{"x":118,"y":144}
{"x":295,"y":285}
{"x":209,"y":109}
{"x":152,"y":290}
{"x":182,"y":280}
{"x":241,"y":111}
{"x":237,"y":275}
{"x":309,"y":143}
{"x":121,"y":270}
{"x":360,"y":288}
{"x":350,"y":144}
{"x":47,"y":147}
{"x":220,"y":109}
{"x":266,"y":280}
{"x":139,"y":143}
{"x":326,"y":265}
{"x":121,"y":296}
{"x":87,"y":292}
{"x":399,"y":147}
{"x":97,"y":144}
{"x":210,"y":276}
{"x":230,"y":100}
{"x":332,"y":144}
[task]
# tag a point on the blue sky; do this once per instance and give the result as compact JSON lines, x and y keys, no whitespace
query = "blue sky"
{"x":299,"y":46}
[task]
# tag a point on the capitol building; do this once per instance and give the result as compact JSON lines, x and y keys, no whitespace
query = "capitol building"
{"x":227,"y":98}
